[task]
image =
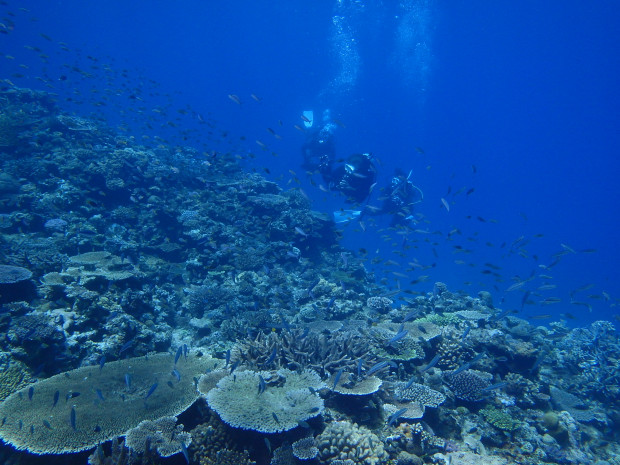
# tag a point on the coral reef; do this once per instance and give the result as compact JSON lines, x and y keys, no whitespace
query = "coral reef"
{"x":342,"y":440}
{"x":468,"y":385}
{"x":272,"y":402}
{"x":163,"y":435}
{"x":325,"y":353}
{"x":213,"y":443}
{"x":14,"y":376}
{"x":305,"y":448}
{"x":116,"y":251}
{"x":77,"y":410}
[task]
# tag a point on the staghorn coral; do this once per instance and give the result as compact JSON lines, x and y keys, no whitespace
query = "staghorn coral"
{"x":324,"y":353}
{"x":342,"y":440}
{"x":94,"y":404}
{"x":243,"y":401}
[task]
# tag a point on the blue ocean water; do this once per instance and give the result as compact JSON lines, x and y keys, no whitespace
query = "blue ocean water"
{"x":516,"y":101}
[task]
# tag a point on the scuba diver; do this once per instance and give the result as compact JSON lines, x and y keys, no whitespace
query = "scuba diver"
{"x":400,"y":197}
{"x":319,"y":149}
{"x":353,"y":176}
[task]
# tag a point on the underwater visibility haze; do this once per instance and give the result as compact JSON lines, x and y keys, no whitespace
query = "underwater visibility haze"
{"x":332,"y":232}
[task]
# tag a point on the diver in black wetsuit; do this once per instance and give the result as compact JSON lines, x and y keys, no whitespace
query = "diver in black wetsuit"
{"x":401,"y":196}
{"x":319,"y":149}
{"x":355,"y":177}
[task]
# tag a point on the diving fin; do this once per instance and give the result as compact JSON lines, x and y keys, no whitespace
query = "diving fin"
{"x":308,"y":118}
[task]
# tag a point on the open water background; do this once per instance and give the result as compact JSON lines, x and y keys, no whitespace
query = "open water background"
{"x":527,"y":92}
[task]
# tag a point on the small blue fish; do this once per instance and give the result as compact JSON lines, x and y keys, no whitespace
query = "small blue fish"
{"x":262,"y":385}
{"x":72,"y":418}
{"x":176,"y":374}
{"x":151,"y":391}
{"x":432,"y":363}
{"x":101,"y":362}
{"x":227,"y":357}
{"x":539,"y":360}
{"x":312,"y":286}
{"x":360,"y":362}
{"x":185,"y":453}
{"x":492,"y":387}
{"x":127,"y":380}
{"x":376,"y":367}
{"x":411,"y":315}
{"x":178,"y":354}
{"x":272,"y":356}
{"x":285,"y":323}
{"x":47,"y":424}
{"x":461,"y":369}
{"x":397,"y":337}
{"x":465,"y":333}
{"x":185,"y":351}
{"x":410,"y":382}
{"x":395,"y":416}
{"x":71,"y":395}
{"x":268,"y":444}
{"x":234,"y":366}
{"x":125,"y":346}
{"x":275,"y":417}
{"x":30,"y":392}
{"x":337,"y":378}
{"x":99,"y":395}
{"x":499,"y":316}
{"x":56,"y":397}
